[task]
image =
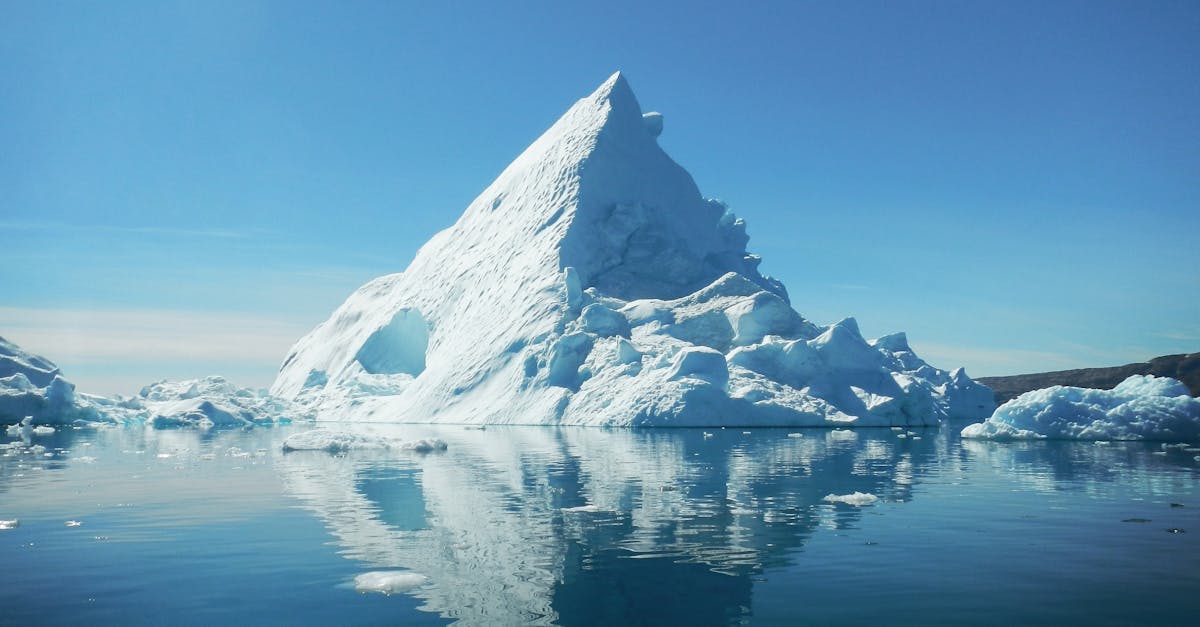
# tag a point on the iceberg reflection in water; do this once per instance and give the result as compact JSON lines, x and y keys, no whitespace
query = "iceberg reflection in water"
{"x":573,"y":526}
{"x":587,"y":526}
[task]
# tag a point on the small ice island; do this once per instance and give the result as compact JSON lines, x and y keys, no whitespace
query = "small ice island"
{"x":592,"y":284}
{"x":1142,"y":407}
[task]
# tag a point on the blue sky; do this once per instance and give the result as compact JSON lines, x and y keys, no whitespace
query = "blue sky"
{"x":187,"y":187}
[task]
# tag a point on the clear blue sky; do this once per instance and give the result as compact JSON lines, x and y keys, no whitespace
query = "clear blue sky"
{"x":187,"y":187}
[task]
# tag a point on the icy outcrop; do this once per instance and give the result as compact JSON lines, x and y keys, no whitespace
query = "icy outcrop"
{"x":208,"y":402}
{"x":33,"y":388}
{"x":1142,"y":407}
{"x":592,"y":284}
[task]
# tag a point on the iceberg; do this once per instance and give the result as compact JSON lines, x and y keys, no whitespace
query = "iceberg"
{"x":34,"y":392}
{"x":1142,"y":407}
{"x":208,"y":402}
{"x":592,"y":284}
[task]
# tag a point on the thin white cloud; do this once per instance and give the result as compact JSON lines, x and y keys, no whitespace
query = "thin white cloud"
{"x":1179,"y":336}
{"x":88,"y":336}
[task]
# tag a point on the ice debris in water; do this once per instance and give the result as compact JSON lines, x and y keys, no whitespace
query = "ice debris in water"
{"x":9,"y":524}
{"x":582,"y":508}
{"x":1142,"y":407}
{"x":74,"y":523}
{"x":341,"y":441}
{"x":388,"y":581}
{"x":857,"y":499}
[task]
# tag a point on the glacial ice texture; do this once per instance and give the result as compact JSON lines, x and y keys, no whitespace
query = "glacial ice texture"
{"x":592,"y":284}
{"x":1142,"y":407}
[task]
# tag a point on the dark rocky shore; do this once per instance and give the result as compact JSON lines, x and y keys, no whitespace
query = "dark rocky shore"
{"x":1186,"y":368}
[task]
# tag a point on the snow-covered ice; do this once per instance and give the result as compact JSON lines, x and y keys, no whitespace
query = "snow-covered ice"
{"x":388,"y":581}
{"x":1142,"y":407}
{"x":340,"y":441}
{"x":33,"y":393}
{"x":592,"y":284}
{"x":857,"y":499}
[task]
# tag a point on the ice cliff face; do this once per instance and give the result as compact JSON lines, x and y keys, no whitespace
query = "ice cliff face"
{"x":592,"y":284}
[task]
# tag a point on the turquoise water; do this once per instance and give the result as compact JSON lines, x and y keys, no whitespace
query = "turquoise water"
{"x":531,"y":525}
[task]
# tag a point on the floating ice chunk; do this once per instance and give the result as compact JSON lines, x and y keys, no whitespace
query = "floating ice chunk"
{"x":9,"y":524}
{"x":341,"y":441}
{"x":74,"y":523}
{"x":388,"y":581}
{"x":333,"y":441}
{"x":857,"y":499}
{"x":583,"y":508}
{"x":43,"y":430}
{"x":795,"y":435}
{"x":424,"y":445}
{"x":1142,"y":407}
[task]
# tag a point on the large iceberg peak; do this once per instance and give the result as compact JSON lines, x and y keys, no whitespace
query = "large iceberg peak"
{"x":592,"y":283}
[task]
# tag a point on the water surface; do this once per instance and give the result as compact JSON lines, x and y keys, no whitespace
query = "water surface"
{"x":539,"y":525}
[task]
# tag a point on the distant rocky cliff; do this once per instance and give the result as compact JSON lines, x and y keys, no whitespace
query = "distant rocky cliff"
{"x":1186,"y":368}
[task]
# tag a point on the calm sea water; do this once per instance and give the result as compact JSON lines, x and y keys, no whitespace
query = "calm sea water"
{"x":531,"y":525}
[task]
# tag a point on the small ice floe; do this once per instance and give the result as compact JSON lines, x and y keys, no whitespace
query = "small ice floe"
{"x":795,"y":435}
{"x":745,"y":433}
{"x":163,"y":456}
{"x":582,"y":508}
{"x":43,"y":430}
{"x":23,"y":429}
{"x":74,"y":523}
{"x":857,"y":499}
{"x":1142,"y":407}
{"x":388,"y":581}
{"x":897,"y":428}
{"x":341,"y":441}
{"x":902,"y":435}
{"x":706,"y":434}
{"x":9,"y":524}
{"x":86,"y":459}
{"x":424,"y":445}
